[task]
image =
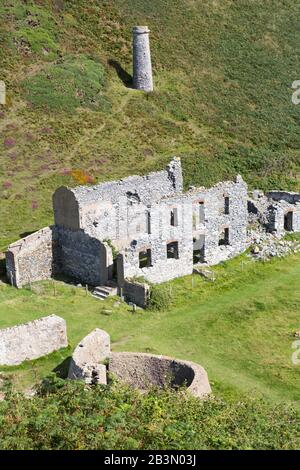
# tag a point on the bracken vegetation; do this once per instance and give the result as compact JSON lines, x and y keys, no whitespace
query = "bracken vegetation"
{"x":68,"y":416}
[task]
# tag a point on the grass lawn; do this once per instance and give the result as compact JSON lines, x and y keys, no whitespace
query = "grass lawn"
{"x":240,"y":328}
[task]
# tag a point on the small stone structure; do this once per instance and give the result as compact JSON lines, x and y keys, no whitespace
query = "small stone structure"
{"x":285,"y":212}
{"x":139,"y":370}
{"x":87,"y":359}
{"x":142,"y":69}
{"x":142,"y":371}
{"x":137,"y":293}
{"x":32,"y":258}
{"x":32,"y":340}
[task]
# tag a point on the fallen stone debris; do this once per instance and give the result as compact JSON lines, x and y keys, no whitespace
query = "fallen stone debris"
{"x":265,"y":246}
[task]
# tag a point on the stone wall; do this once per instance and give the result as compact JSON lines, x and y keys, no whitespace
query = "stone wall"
{"x":277,"y":214}
{"x":282,"y":203}
{"x":32,"y":258}
{"x":136,"y":292}
{"x":32,"y":340}
{"x":66,"y":209}
{"x":161,"y":268}
{"x":88,"y":359}
{"x":270,"y":210}
{"x":56,"y":250}
{"x":83,"y":257}
{"x":189,"y":231}
{"x":215,"y":219}
{"x":143,"y":371}
{"x":102,"y":209}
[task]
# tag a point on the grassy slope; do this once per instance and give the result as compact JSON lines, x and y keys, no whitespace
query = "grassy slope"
{"x":222,"y":101}
{"x":240,"y":328}
{"x":223,"y":73}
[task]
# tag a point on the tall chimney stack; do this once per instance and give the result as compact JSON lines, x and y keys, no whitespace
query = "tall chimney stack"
{"x":142,"y":69}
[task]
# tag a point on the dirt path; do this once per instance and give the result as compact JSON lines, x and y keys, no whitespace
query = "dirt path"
{"x":90,"y":134}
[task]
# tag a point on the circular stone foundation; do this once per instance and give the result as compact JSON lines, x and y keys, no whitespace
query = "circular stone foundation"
{"x":143,"y":371}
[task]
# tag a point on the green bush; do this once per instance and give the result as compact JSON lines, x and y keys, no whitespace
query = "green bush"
{"x":73,"y":82}
{"x":160,"y":297}
{"x":35,"y":26}
{"x":39,"y":41}
{"x":65,"y":415}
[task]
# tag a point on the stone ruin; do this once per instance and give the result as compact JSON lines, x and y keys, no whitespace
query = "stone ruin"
{"x":142,"y":68}
{"x":271,"y":216}
{"x":88,"y":358}
{"x":140,"y":226}
{"x":32,"y":340}
{"x":113,"y":233}
{"x":277,"y":211}
{"x":93,"y":362}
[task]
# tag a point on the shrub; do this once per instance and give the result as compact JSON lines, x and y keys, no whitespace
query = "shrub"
{"x":67,"y":415}
{"x":9,"y":142}
{"x":82,"y":177}
{"x":75,"y":81}
{"x":160,"y":297}
{"x":39,"y":41}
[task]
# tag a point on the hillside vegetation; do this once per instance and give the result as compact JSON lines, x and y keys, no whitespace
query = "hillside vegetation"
{"x":67,"y":416}
{"x":222,"y":70}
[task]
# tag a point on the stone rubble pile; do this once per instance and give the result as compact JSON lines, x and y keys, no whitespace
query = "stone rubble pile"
{"x":264,"y":246}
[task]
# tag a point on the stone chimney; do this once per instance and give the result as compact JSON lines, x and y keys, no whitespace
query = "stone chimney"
{"x":142,"y":69}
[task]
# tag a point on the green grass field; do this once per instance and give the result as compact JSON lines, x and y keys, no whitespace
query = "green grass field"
{"x":240,"y":327}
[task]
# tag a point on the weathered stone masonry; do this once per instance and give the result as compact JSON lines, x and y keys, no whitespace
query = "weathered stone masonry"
{"x":32,"y":340}
{"x":146,"y":226}
{"x":92,"y":360}
{"x":32,"y":258}
{"x":53,"y":251}
{"x":277,"y":211}
{"x":142,"y":69}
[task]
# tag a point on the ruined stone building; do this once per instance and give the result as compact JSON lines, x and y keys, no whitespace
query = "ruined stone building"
{"x":138,"y":226}
{"x":277,"y":211}
{"x":146,"y":226}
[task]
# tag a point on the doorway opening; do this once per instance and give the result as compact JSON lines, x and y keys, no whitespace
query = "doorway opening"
{"x":199,"y":249}
{"x":288,"y":221}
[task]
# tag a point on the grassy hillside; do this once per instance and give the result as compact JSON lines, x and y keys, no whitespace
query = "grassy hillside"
{"x":222,"y":101}
{"x":240,"y":328}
